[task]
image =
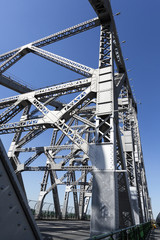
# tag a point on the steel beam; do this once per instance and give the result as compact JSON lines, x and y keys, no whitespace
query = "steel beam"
{"x":105,"y":210}
{"x":96,"y":133}
{"x":64,"y":62}
{"x":13,"y":205}
{"x":57,"y":36}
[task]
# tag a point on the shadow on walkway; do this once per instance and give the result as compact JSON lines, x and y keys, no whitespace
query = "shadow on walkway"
{"x":64,"y":230}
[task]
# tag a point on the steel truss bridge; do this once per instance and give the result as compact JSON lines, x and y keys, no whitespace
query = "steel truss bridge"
{"x":95,"y":148}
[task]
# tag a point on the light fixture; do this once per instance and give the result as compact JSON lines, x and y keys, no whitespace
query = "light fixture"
{"x":117,"y":14}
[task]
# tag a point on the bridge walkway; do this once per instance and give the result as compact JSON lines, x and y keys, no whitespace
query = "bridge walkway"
{"x":64,"y":229}
{"x":155,"y":234}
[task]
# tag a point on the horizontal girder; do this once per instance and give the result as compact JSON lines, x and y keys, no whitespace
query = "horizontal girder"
{"x":44,"y":149}
{"x":61,"y":88}
{"x":69,"y":168}
{"x":16,"y":86}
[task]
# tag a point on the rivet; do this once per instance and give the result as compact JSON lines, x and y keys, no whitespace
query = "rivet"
{"x":18,"y":224}
{"x":9,"y":194}
{"x":2,"y":187}
{"x":17,"y":212}
{"x":10,"y":207}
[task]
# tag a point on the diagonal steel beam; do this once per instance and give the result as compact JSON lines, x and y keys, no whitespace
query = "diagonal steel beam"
{"x":33,"y":124}
{"x":50,"y":118}
{"x":60,"y":124}
{"x":12,"y":60}
{"x":87,"y":122}
{"x":14,"y":85}
{"x":84,"y":26}
{"x":5,"y":56}
{"x":10,"y":112}
{"x":29,"y":136}
{"x":120,"y":81}
{"x":64,"y":62}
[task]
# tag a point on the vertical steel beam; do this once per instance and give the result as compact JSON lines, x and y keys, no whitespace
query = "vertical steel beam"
{"x":75,"y":196}
{"x":141,"y":176}
{"x":127,"y":119}
{"x":81,"y":196}
{"x":82,"y":190}
{"x":105,"y":210}
{"x":44,"y":183}
{"x":66,"y":199}
{"x":126,"y":214}
{"x":55,"y":195}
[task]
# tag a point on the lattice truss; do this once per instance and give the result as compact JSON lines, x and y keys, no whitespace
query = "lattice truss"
{"x":76,"y":126}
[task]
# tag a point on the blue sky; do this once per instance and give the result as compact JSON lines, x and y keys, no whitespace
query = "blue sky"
{"x":25,"y":21}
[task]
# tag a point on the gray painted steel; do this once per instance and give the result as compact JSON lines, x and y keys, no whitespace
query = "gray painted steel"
{"x":16,"y":221}
{"x":98,"y":130}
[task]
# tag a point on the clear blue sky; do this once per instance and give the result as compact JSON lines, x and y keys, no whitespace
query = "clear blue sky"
{"x":25,"y":21}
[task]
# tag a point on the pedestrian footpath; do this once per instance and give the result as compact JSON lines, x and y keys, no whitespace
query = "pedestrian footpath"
{"x":155,"y":234}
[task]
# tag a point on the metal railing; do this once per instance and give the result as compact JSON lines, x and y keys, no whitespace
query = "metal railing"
{"x":18,"y":80}
{"x":137,"y":232}
{"x":48,"y":211}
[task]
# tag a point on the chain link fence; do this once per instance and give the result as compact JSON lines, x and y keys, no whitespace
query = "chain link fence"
{"x":48,"y":211}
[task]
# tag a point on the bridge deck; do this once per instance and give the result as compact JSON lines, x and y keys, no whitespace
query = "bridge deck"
{"x":69,"y":230}
{"x":155,"y":234}
{"x":64,"y":230}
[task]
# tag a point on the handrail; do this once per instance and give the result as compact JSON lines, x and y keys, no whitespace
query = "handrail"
{"x":136,"y":232}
